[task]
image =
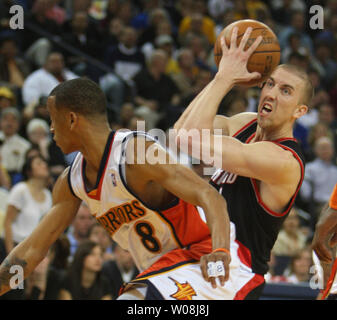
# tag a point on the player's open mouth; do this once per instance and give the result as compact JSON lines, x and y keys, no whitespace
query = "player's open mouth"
{"x":266,"y":109}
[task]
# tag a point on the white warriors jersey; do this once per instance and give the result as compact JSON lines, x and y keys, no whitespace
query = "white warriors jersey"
{"x":146,"y":233}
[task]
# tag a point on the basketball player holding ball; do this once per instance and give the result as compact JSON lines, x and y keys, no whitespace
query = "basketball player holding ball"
{"x":261,"y":166}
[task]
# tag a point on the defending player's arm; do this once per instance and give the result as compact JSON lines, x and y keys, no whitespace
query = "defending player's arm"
{"x":326,"y":230}
{"x":187,"y":185}
{"x":29,"y":253}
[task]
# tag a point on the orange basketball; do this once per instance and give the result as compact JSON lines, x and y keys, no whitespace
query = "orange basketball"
{"x":266,"y":56}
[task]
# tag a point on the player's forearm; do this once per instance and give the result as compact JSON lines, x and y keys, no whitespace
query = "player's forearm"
{"x":8,"y":236}
{"x":21,"y":256}
{"x":201,"y":112}
{"x":215,"y":209}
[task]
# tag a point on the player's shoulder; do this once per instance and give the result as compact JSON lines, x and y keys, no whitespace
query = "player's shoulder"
{"x":240,"y":120}
{"x":61,"y":189}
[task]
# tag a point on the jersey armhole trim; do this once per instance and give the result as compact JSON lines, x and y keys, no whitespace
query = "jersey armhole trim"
{"x":69,"y":180}
{"x":244,"y":127}
{"x":292,"y":200}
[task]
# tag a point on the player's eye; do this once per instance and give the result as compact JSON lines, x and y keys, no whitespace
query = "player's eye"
{"x":286,"y":91}
{"x":269,"y":83}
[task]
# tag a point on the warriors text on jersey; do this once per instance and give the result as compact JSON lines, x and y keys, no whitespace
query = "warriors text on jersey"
{"x":147,"y":233}
{"x":256,"y":225}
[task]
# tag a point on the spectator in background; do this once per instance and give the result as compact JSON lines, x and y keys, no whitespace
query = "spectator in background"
{"x":45,"y":282}
{"x":199,"y":25}
{"x":98,"y":234}
{"x":36,"y":109}
{"x":111,"y":13}
{"x":254,"y":7}
{"x":80,"y":228}
{"x":38,"y":134}
{"x":272,"y":275}
{"x":155,"y":91}
{"x":293,"y":45}
{"x":165,"y":42}
{"x":126,"y":59}
{"x":200,"y":49}
{"x":203,"y":78}
{"x":315,"y":79}
{"x":282,"y":10}
{"x":119,"y":271}
{"x":156,"y":16}
{"x":127,"y":112}
{"x":299,"y":268}
{"x":237,"y":105}
{"x":28,"y":202}
{"x":7,"y":98}
{"x":125,"y":11}
{"x":83,"y":36}
{"x":56,"y":13}
{"x":5,"y":15}
{"x":311,"y":118}
{"x":133,"y":123}
{"x":5,"y":183}
{"x":13,"y":147}
{"x":297,"y":25}
{"x":325,"y":64}
{"x":36,"y":48}
{"x":84,"y":279}
{"x":316,"y":132}
{"x":291,"y":238}
{"x":113,"y":33}
{"x":320,"y":177}
{"x":13,"y":69}
{"x":42,"y":81}
{"x":187,"y":73}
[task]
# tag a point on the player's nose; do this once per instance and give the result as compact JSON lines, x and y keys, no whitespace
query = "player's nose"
{"x":271,"y":93}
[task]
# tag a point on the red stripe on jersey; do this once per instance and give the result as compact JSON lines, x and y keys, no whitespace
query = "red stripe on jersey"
{"x":244,"y":254}
{"x":249,"y":286}
{"x":284,"y":139}
{"x":331,"y":279}
{"x":333,"y":199}
{"x":176,"y":256}
{"x":257,"y":193}
{"x":187,"y":223}
{"x":244,"y":127}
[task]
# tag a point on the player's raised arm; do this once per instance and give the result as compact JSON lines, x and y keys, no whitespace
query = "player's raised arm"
{"x":201,"y":113}
{"x":30,"y":252}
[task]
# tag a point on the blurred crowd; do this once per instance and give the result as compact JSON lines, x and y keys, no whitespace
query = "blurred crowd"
{"x":151,"y":58}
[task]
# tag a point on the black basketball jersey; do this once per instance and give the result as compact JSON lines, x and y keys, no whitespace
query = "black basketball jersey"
{"x":256,"y":225}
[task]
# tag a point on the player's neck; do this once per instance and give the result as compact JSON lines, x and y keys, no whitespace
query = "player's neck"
{"x":94,"y":142}
{"x":272,"y":135}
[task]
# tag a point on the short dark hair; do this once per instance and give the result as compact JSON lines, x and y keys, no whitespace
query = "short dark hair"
{"x":80,"y":95}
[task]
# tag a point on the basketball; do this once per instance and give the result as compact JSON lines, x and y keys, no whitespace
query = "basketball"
{"x":264,"y":59}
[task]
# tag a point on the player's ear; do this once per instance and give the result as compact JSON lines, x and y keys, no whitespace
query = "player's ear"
{"x":300,"y":111}
{"x":73,"y":120}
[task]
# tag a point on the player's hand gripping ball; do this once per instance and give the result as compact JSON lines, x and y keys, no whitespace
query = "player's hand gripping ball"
{"x":264,"y":59}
